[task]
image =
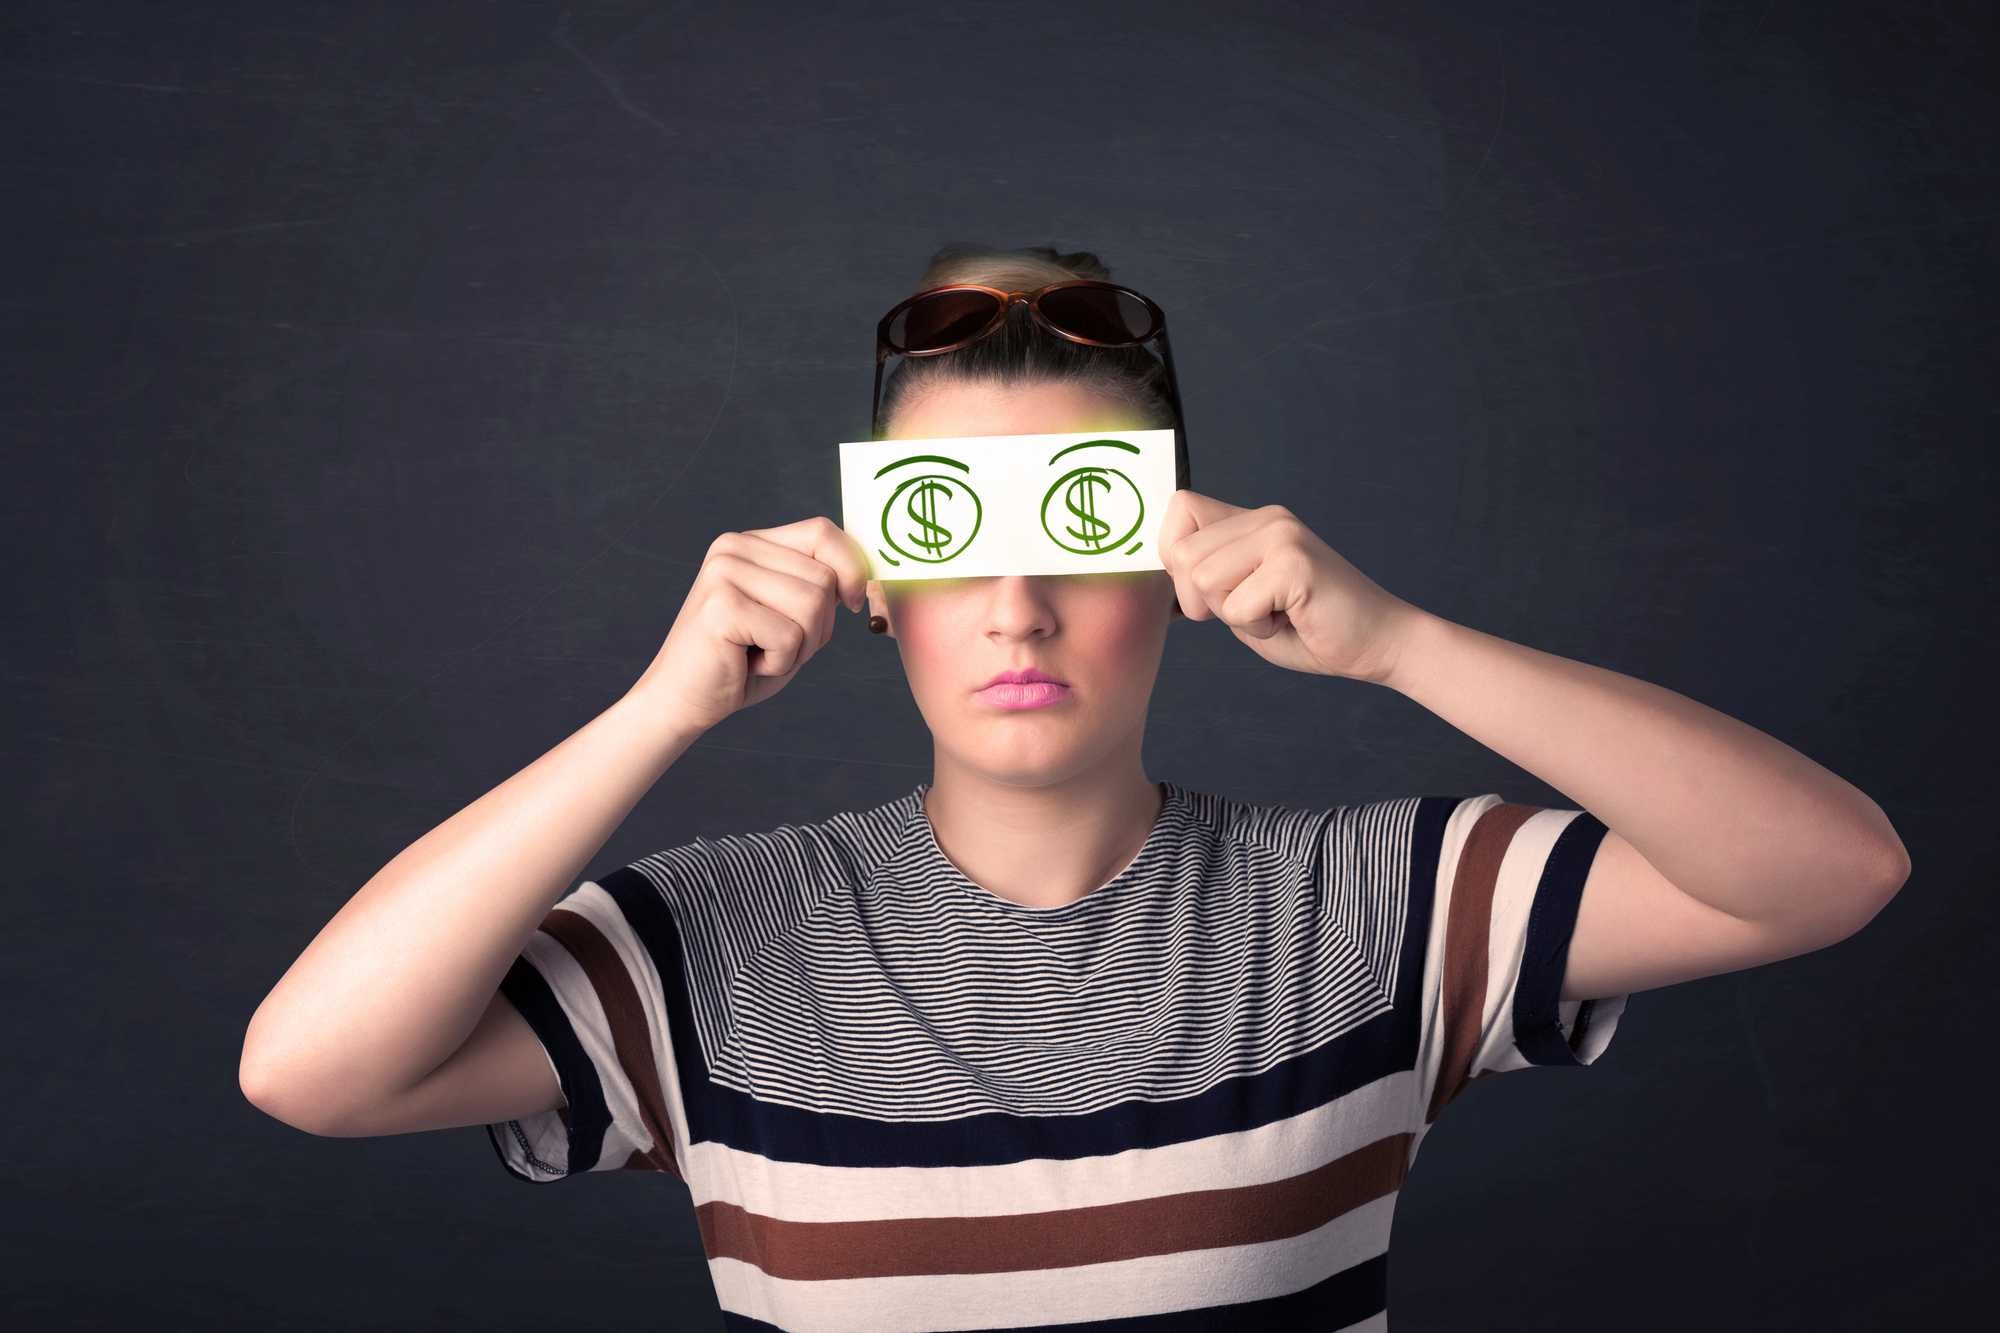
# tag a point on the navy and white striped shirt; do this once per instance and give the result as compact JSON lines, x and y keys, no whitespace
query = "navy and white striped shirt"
{"x":1189,"y":1098}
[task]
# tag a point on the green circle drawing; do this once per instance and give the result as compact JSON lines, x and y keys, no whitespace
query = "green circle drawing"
{"x":1082,"y":506}
{"x":935,"y":542}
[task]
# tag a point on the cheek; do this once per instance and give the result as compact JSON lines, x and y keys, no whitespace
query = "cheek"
{"x":931,"y":633}
{"x":1122,"y":630}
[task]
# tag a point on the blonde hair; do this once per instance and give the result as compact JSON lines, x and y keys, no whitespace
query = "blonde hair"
{"x":1023,"y":351}
{"x":1009,"y":270}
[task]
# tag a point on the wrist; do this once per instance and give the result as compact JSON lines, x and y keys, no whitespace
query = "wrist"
{"x":1413,"y":637}
{"x":660,"y":716}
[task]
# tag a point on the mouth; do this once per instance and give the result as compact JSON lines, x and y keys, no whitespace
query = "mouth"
{"x":1023,"y":689}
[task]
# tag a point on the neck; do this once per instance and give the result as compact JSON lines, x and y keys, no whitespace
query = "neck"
{"x":1043,"y":846}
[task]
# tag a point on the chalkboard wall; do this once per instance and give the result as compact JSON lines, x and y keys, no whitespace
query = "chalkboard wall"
{"x":378,"y":372}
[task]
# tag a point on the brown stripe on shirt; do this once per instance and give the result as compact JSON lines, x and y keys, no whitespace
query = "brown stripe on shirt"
{"x":631,"y":1037}
{"x":1467,"y":941}
{"x":1026,"y":1242}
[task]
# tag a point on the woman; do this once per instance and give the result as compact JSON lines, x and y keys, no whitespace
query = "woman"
{"x":1045,"y":1043}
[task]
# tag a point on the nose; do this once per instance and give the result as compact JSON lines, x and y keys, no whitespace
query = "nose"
{"x":1018,"y":609}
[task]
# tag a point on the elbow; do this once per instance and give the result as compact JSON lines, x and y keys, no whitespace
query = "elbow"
{"x":278,"y":1097}
{"x":1893,"y":867}
{"x":1867,"y":878}
{"x":1884,"y":871}
{"x":291,"y":1096}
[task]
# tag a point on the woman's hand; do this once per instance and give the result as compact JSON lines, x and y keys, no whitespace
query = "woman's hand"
{"x":389,"y":1022}
{"x":761,"y":606}
{"x":1281,"y":589}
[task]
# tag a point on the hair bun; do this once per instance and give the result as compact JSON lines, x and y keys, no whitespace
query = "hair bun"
{"x":1082,"y":263}
{"x":1013,"y":270}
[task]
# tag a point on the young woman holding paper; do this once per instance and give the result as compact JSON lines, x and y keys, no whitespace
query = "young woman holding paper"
{"x":1045,"y":1042}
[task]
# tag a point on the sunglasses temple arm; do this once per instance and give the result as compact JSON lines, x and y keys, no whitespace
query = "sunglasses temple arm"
{"x":1181,"y":474}
{"x":875,"y":412}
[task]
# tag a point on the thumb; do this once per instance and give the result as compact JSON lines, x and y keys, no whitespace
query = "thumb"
{"x":1188,"y":513}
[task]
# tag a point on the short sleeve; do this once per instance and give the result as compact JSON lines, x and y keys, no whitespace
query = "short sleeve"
{"x":588,"y":984}
{"x":1509,"y":882}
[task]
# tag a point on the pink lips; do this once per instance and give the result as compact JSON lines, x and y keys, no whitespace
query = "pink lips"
{"x":1023,"y":689}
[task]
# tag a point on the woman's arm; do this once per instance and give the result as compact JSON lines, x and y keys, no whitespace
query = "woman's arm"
{"x":1727,"y":848}
{"x":391,"y":1021}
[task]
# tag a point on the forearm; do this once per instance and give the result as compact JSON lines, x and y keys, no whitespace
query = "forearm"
{"x":1729,"y":816}
{"x":399,"y":978}
{"x":1727,"y":849}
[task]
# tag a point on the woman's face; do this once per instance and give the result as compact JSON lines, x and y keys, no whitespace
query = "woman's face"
{"x":1027,"y":680}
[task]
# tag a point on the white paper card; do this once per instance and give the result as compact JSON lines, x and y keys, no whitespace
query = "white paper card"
{"x":1008,"y":504}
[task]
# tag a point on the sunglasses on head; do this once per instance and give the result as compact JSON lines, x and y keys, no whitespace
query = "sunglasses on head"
{"x":1095,"y":314}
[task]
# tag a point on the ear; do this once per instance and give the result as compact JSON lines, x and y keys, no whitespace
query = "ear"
{"x":878,"y":605}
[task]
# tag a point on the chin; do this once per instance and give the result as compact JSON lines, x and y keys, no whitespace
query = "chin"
{"x":1027,"y":756}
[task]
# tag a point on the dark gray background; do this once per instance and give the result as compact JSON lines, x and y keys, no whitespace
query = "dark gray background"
{"x":377,"y":373}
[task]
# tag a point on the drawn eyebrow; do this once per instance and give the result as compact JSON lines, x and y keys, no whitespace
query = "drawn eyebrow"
{"x":1092,"y":444}
{"x":931,"y":458}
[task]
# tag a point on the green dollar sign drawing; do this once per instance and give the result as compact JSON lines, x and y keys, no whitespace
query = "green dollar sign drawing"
{"x":1077,"y":491}
{"x":921,"y":500}
{"x":1081,"y":500}
{"x":923,"y":509}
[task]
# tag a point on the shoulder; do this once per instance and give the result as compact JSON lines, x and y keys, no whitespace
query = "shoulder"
{"x":1362,"y":874}
{"x":1381,"y":828}
{"x":783,"y":861}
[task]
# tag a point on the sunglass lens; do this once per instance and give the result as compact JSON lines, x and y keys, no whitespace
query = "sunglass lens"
{"x":945,"y":319}
{"x":1101,"y":314}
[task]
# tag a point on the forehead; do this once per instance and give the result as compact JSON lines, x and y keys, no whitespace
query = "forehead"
{"x":967,"y":409}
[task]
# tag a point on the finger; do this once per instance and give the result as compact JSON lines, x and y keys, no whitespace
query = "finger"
{"x":1186,"y":513}
{"x":1216,"y":575}
{"x":752,"y":550}
{"x":775,"y":637}
{"x":758,"y":548}
{"x":777,"y":644}
{"x":1260,"y":605}
{"x":804,"y":601}
{"x":1254,"y":582}
{"x":1204,"y":509}
{"x":1197,"y":548}
{"x":1177,"y":522}
{"x":822,"y":540}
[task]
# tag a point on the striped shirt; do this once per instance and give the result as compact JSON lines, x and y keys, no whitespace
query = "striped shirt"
{"x":1185,"y":1101}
